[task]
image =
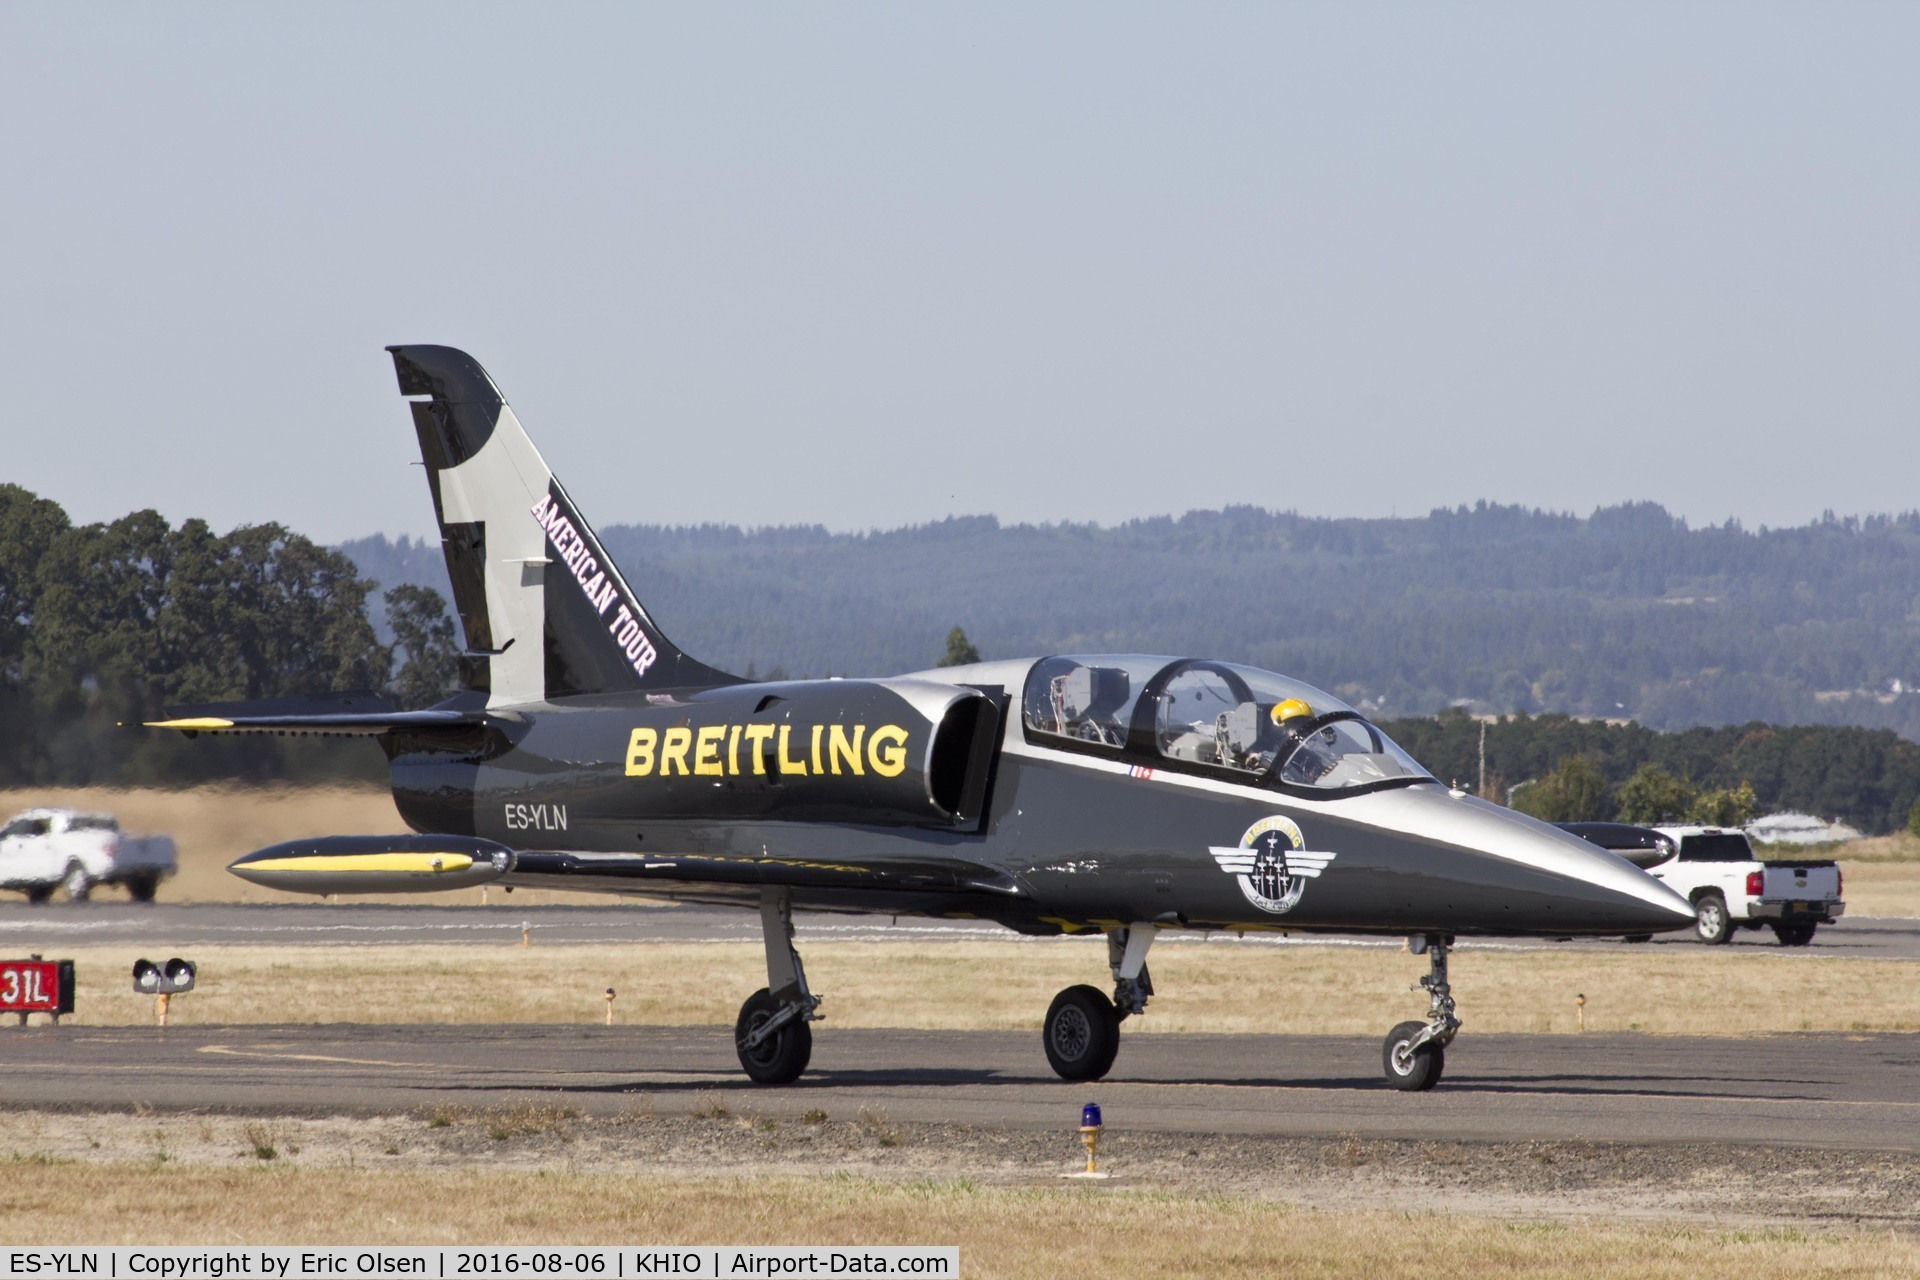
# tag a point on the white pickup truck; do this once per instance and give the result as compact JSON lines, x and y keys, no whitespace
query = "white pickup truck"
{"x":1714,"y":868}
{"x":45,"y":849}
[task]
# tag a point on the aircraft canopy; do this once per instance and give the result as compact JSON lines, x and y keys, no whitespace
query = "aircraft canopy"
{"x":1220,"y":717}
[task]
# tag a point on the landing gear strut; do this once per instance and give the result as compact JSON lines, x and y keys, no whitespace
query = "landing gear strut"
{"x":1082,"y":1031}
{"x":771,"y":1034}
{"x":1415,"y":1053}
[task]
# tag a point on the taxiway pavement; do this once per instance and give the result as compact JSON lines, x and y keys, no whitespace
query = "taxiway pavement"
{"x":47,"y":928}
{"x":1846,"y":1091}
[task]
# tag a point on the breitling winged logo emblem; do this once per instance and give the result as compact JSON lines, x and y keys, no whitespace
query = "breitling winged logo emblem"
{"x":1272,"y":863}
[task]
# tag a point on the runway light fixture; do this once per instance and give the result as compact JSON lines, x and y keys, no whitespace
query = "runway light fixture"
{"x":163,"y":982}
{"x":1090,"y":1127}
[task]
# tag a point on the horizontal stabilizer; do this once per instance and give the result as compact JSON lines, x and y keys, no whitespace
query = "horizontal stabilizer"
{"x":376,"y":864}
{"x":361,"y":715}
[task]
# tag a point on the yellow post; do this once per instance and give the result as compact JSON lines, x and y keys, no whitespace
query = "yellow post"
{"x":526,"y":933}
{"x":160,"y":1003}
{"x":1580,"y":1009}
{"x":1090,"y":1136}
{"x":609,"y":1006}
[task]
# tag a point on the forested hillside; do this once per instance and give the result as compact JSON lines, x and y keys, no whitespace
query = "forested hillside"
{"x":1626,"y":614}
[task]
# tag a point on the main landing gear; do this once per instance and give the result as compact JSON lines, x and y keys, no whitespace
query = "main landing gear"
{"x":1416,"y":1052}
{"x":771,"y":1034}
{"x":1082,"y":1031}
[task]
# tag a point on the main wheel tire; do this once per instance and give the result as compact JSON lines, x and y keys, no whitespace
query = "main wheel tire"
{"x":1711,"y":923}
{"x":40,"y":895}
{"x":1798,"y":934}
{"x":781,"y":1057}
{"x":77,"y":883}
{"x":142,"y":888}
{"x":1412,"y":1070}
{"x":1082,"y":1034}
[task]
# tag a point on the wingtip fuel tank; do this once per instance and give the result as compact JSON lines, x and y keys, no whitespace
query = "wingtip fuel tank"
{"x":376,"y":864}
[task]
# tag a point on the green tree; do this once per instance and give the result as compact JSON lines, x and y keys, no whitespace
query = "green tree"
{"x":29,"y":526}
{"x":1726,"y":807}
{"x":1913,"y":819}
{"x":1575,"y":791}
{"x":132,"y":616}
{"x":960,"y":650}
{"x":1653,"y":795}
{"x":422,"y":632}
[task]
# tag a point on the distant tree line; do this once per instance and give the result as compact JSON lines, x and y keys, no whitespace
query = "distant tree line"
{"x":1567,"y":770}
{"x":103,"y":626}
{"x":1627,"y":613}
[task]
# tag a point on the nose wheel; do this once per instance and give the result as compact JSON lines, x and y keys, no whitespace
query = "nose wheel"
{"x":1415,"y":1053}
{"x":1414,"y":1067}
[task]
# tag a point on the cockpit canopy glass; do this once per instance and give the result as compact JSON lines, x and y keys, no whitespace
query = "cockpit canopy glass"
{"x":1090,"y":700}
{"x":1215,"y":715}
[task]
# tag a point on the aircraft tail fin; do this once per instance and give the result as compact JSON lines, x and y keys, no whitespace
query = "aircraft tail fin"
{"x":544,"y":611}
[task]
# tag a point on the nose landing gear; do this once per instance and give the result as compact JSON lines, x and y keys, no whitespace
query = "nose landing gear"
{"x":1415,"y":1053}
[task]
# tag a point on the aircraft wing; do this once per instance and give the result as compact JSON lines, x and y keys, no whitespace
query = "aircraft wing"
{"x":917,"y":874}
{"x":350,"y":714}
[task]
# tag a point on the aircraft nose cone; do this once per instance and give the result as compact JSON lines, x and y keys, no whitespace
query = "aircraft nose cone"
{"x":1600,"y":892}
{"x":1520,"y":875}
{"x":1653,"y":907}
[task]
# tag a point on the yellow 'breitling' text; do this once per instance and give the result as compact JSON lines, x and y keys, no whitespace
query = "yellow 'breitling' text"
{"x":715,"y":751}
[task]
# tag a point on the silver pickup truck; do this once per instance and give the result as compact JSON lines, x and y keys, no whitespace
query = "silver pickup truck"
{"x":46,"y":849}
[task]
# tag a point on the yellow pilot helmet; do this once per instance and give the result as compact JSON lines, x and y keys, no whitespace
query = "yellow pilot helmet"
{"x":1290,"y":709}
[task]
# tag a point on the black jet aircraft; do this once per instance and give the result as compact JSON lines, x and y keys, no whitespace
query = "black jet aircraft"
{"x":1118,"y":794}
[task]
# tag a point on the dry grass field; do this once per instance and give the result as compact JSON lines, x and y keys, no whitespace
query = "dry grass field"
{"x":1001,"y":1231}
{"x":1901,"y":846}
{"x":1204,"y":986}
{"x":1882,"y":888}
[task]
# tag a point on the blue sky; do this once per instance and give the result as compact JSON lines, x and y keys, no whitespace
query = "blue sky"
{"x":872,"y":265}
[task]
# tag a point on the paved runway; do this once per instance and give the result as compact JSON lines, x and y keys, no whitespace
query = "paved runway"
{"x":1824,"y":1090}
{"x":1820,"y":1090}
{"x":46,"y":929}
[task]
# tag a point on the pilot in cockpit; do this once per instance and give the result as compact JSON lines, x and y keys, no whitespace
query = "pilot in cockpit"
{"x":1309,"y":761}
